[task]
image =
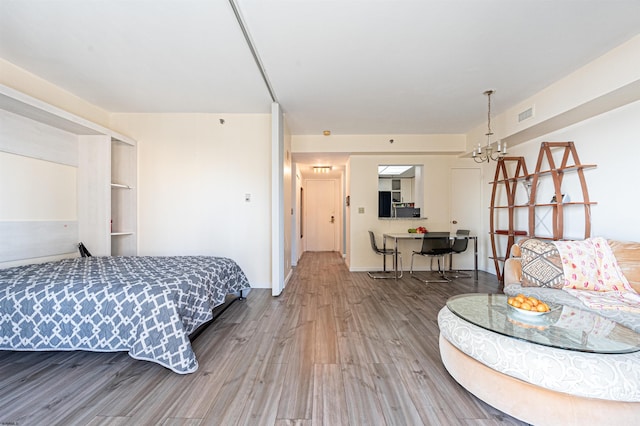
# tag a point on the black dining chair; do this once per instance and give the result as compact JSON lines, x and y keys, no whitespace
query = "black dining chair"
{"x":384,"y":252}
{"x":434,"y":246}
{"x":460,"y":244}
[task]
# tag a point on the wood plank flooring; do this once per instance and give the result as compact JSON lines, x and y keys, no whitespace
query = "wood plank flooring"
{"x":336,"y":348}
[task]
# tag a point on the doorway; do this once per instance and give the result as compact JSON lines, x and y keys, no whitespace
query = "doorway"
{"x":321,"y":215}
{"x":466,"y":210}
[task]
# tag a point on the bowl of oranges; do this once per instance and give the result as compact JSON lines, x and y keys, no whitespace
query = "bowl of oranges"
{"x":528,"y":305}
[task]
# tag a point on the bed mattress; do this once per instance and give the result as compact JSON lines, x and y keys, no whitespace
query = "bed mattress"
{"x":146,"y":306}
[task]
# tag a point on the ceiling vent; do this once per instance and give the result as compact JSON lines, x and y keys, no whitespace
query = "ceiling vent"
{"x":528,"y":113}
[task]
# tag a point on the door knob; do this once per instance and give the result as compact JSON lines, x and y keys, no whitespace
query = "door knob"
{"x":333,"y":219}
{"x":455,"y":222}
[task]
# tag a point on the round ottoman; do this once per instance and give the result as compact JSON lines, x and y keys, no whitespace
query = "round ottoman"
{"x":539,"y":384}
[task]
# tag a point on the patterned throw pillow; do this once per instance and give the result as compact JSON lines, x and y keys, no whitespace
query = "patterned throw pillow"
{"x":541,"y":264}
{"x":591,"y":265}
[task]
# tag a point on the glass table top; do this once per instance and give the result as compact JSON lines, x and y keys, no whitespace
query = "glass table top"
{"x":562,"y":327}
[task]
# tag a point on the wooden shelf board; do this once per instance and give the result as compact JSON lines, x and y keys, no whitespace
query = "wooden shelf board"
{"x":564,"y":169}
{"x":509,"y":180}
{"x":515,"y":206}
{"x":571,"y":203}
{"x":508,"y":232}
{"x":543,"y":237}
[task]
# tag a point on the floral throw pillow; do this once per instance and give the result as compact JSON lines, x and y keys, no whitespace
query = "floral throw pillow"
{"x":591,"y":265}
{"x":541,"y":264}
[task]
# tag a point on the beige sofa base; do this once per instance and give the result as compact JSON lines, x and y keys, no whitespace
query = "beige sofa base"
{"x":531,"y":403}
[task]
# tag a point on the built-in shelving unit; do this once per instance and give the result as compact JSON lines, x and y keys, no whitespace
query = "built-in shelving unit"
{"x":106,"y":170}
{"x":123,"y":198}
{"x":542,"y":211}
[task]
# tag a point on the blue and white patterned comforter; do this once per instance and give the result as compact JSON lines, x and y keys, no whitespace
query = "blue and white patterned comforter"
{"x":147,"y":306}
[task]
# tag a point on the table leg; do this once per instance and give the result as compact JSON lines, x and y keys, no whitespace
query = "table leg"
{"x":384,"y":258}
{"x":395,"y":258}
{"x":475,"y":254}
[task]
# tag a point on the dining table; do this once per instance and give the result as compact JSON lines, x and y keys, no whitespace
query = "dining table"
{"x":417,"y":236}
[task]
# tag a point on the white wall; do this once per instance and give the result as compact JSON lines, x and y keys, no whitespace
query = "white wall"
{"x":51,"y":188}
{"x":193,"y":175}
{"x":597,"y":107}
{"x":32,"y":85}
{"x":185,"y":160}
{"x":364,"y":144}
{"x":611,"y":142}
{"x":289,"y":197}
{"x":363,"y":179}
{"x":297,"y":241}
{"x":38,"y":191}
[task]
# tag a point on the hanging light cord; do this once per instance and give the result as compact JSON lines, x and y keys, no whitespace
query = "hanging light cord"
{"x":489,"y":93}
{"x":487,"y":153}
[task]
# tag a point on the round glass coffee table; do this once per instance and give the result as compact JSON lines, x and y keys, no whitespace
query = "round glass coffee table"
{"x":563,"y":327}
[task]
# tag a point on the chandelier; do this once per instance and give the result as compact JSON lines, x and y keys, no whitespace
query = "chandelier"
{"x":486,"y":153}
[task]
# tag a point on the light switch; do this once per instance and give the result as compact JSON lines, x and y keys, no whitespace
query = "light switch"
{"x":360,"y":210}
{"x":247,"y":197}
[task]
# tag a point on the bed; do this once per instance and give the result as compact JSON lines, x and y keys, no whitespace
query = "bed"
{"x":147,"y":306}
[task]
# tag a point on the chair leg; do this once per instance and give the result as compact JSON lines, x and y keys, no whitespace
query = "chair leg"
{"x":443,"y":280}
{"x":386,"y":275}
{"x":382,"y":275}
{"x":443,"y":271}
{"x":401,"y":269}
{"x":456,"y":273}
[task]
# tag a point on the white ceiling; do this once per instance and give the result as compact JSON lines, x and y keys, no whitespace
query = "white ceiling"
{"x":354,"y":67}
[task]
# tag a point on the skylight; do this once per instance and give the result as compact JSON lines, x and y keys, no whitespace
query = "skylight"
{"x":392,"y":170}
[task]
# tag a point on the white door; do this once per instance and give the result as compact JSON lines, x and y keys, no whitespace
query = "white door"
{"x":320,"y":212}
{"x":466,"y":207}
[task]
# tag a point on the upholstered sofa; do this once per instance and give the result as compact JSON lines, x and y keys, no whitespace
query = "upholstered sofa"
{"x":543,"y":385}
